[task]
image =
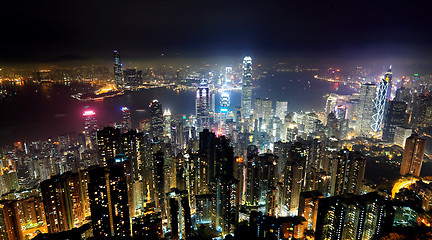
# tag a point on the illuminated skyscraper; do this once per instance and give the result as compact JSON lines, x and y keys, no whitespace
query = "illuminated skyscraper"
{"x":203,"y":106}
{"x":395,"y":116}
{"x":246,"y":97}
{"x":90,"y":128}
{"x":156,"y":119}
{"x":281,"y":110}
{"x":228,"y":75}
{"x":365,"y":109}
{"x":412,"y":158}
{"x":381,"y":101}
{"x":107,"y":144}
{"x":126,"y":122}
{"x":118,"y":70}
{"x":348,"y":172}
{"x":167,"y":123}
{"x":224,"y":103}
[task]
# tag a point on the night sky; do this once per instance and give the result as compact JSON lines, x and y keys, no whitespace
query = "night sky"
{"x":59,"y":30}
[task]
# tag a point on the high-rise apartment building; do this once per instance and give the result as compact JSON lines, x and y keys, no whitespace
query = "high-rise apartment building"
{"x":412,"y":157}
{"x":395,"y":117}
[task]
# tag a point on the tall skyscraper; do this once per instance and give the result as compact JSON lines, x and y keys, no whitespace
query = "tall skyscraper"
{"x":365,"y":109}
{"x":412,"y":158}
{"x":228,"y":75}
{"x":118,"y":70}
{"x":395,"y":117}
{"x":203,"y":106}
{"x":381,"y":101}
{"x":107,"y":144}
{"x":224,"y":111}
{"x":348,"y":172}
{"x":90,"y":128}
{"x":246,"y":97}
{"x":156,"y":120}
{"x":126,"y":121}
{"x":109,"y":201}
{"x":281,"y":109}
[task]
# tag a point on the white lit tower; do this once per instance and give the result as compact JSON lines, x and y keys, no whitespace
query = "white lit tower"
{"x":167,"y":123}
{"x":126,"y":121}
{"x":228,"y":75}
{"x":224,"y":111}
{"x":90,"y":128}
{"x":381,"y":101}
{"x":118,"y":77}
{"x":246,"y":97}
{"x":203,"y":106}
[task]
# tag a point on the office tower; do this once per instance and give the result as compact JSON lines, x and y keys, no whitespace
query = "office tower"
{"x":228,"y":75}
{"x":422,"y":111}
{"x":262,"y":113}
{"x":333,"y":126}
{"x":117,"y":70}
{"x":412,"y":158}
{"x":365,"y":109}
{"x":281,"y":109}
{"x":159,"y":180}
{"x":224,"y":111}
{"x":109,"y":201}
{"x":107,"y":144}
{"x":147,"y":227}
{"x":203,"y":208}
{"x":246,"y":97}
{"x":90,"y":128}
{"x":132,"y":78}
{"x":395,"y":117}
{"x":167,"y":123}
{"x":400,"y":135}
{"x":352,"y":217}
{"x":381,"y":101}
{"x":156,"y":120}
{"x":260,"y":177}
{"x":126,"y":121}
{"x":62,"y":201}
{"x":308,"y":207}
{"x":23,"y":218}
{"x":203,"y":106}
{"x":348,"y":172}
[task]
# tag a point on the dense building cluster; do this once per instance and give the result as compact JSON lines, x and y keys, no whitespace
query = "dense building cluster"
{"x":233,"y":172}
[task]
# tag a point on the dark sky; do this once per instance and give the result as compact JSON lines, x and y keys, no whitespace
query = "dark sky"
{"x":56,"y":29}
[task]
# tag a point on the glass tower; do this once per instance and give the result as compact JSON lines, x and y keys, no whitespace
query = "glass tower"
{"x":246,"y":97}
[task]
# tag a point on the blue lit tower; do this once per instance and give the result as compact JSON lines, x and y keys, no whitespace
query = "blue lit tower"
{"x":381,"y":101}
{"x":246,"y":97}
{"x":224,"y":103}
{"x":117,"y":70}
{"x":203,"y":106}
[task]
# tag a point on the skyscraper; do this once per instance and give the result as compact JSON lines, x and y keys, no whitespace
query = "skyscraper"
{"x":381,"y":101}
{"x":203,"y":106}
{"x":365,"y":109}
{"x":90,"y":128}
{"x":224,"y":103}
{"x":395,"y":117}
{"x":156,"y":120}
{"x":118,"y":70}
{"x":246,"y":97}
{"x":126,"y":121}
{"x":412,"y":158}
{"x":281,"y":109}
{"x":348,"y":172}
{"x":107,"y":144}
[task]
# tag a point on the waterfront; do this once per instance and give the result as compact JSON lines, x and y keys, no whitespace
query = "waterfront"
{"x":36,"y":112}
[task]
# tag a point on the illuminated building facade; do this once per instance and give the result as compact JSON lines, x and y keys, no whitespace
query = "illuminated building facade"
{"x":246,"y":97}
{"x":381,"y":102}
{"x":224,"y":111}
{"x":90,"y":128}
{"x":126,"y":120}
{"x":281,"y":109}
{"x":64,"y":207}
{"x":132,"y":78}
{"x":348,"y":172}
{"x":412,"y":157}
{"x":108,"y":196}
{"x":308,"y":207}
{"x":203,"y":106}
{"x":107,"y":144}
{"x":365,"y":109}
{"x":156,"y":120}
{"x":118,"y":70}
{"x":395,"y":116}
{"x":352,"y":217}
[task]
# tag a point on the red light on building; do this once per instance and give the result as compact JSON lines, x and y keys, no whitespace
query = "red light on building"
{"x":89,"y":113}
{"x":239,"y":159}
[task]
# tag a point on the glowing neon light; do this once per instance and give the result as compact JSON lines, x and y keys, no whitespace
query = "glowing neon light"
{"x":89,"y":113}
{"x":124,"y":109}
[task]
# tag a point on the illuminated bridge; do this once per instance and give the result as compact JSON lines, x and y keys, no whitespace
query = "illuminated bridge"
{"x":406,"y":182}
